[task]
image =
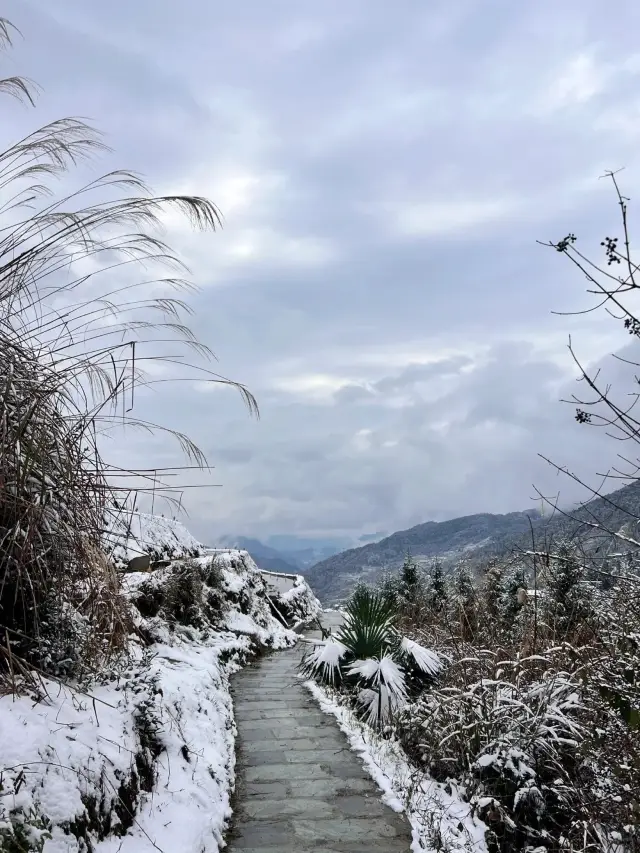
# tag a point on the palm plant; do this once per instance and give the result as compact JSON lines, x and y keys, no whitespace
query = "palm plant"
{"x":370,"y":657}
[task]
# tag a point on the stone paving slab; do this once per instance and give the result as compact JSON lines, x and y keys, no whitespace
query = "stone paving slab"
{"x":329,"y":770}
{"x":300,"y":788}
{"x":390,"y":846}
{"x":303,"y":744}
{"x":288,"y":834}
{"x":276,"y":729}
{"x":309,"y":787}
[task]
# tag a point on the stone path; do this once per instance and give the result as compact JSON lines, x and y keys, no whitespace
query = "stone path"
{"x":299,"y":786}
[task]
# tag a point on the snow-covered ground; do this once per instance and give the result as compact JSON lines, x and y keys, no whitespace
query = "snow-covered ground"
{"x":143,"y":760}
{"x":295,"y":599}
{"x":131,"y":534}
{"x":439,"y":817}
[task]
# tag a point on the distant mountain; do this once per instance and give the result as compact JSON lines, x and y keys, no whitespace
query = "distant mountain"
{"x":282,"y":552}
{"x":307,"y":550}
{"x":265,"y":557}
{"x":475,"y":537}
{"x":333,"y":578}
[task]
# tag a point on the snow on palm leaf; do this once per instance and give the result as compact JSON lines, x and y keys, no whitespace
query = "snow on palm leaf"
{"x":369,"y":655}
{"x":427,"y":661}
{"x":384,"y":689}
{"x":379,"y":705}
{"x":324,"y":660}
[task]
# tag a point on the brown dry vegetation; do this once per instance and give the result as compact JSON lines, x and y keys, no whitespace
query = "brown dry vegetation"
{"x":536,"y":715}
{"x":73,"y":348}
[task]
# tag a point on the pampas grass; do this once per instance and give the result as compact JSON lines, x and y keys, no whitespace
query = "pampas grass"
{"x":73,"y":349}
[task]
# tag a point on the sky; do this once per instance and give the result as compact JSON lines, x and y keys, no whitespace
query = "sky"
{"x":385,"y":171}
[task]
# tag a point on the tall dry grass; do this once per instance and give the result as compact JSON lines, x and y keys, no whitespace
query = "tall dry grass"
{"x":76,"y":334}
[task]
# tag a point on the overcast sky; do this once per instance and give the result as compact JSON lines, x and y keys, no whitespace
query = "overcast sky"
{"x":384,"y":170}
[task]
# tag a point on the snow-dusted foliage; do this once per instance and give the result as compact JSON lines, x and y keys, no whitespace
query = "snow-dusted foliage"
{"x":371,"y":660}
{"x":144,"y":759}
{"x":386,"y":690}
{"x":426,"y":660}
{"x":536,"y":717}
{"x":324,"y":659}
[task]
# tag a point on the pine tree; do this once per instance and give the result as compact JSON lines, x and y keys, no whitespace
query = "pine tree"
{"x":466,"y":599}
{"x":567,"y":593}
{"x":409,"y":574}
{"x":511,"y":603}
{"x":390,"y":589}
{"x":493,"y":591}
{"x":437,"y":595}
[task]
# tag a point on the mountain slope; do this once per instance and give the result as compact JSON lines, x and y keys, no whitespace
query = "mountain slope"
{"x":287,"y":553}
{"x":265,"y":557}
{"x":476,"y":537}
{"x":333,"y":578}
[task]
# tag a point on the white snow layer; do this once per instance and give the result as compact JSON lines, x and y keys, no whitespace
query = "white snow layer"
{"x":145,"y":760}
{"x":131,"y":534}
{"x":439,"y":820}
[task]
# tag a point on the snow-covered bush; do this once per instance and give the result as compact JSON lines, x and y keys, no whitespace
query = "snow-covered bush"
{"x":369,"y":658}
{"x":537,"y":713}
{"x":298,"y":605}
{"x":515,"y":740}
{"x":143,"y":757}
{"x":188,"y":592}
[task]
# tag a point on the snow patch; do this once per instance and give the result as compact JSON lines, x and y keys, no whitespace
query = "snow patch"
{"x":131,"y":534}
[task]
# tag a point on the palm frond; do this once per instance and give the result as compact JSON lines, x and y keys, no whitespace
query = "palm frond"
{"x":426,"y":661}
{"x":383,"y":689}
{"x":368,"y":625}
{"x":323,"y":661}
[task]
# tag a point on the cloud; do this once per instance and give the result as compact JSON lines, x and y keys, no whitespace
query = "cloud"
{"x":337,"y":464}
{"x":384,"y":172}
{"x":313,"y":386}
{"x":578,"y":82}
{"x":440,"y":218}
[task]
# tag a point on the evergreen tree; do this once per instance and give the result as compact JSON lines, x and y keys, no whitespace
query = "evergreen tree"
{"x":409,"y":574}
{"x":510,"y":602}
{"x":494,"y":591}
{"x":410,"y":587}
{"x":437,"y":596}
{"x":567,"y":600}
{"x":390,"y":589}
